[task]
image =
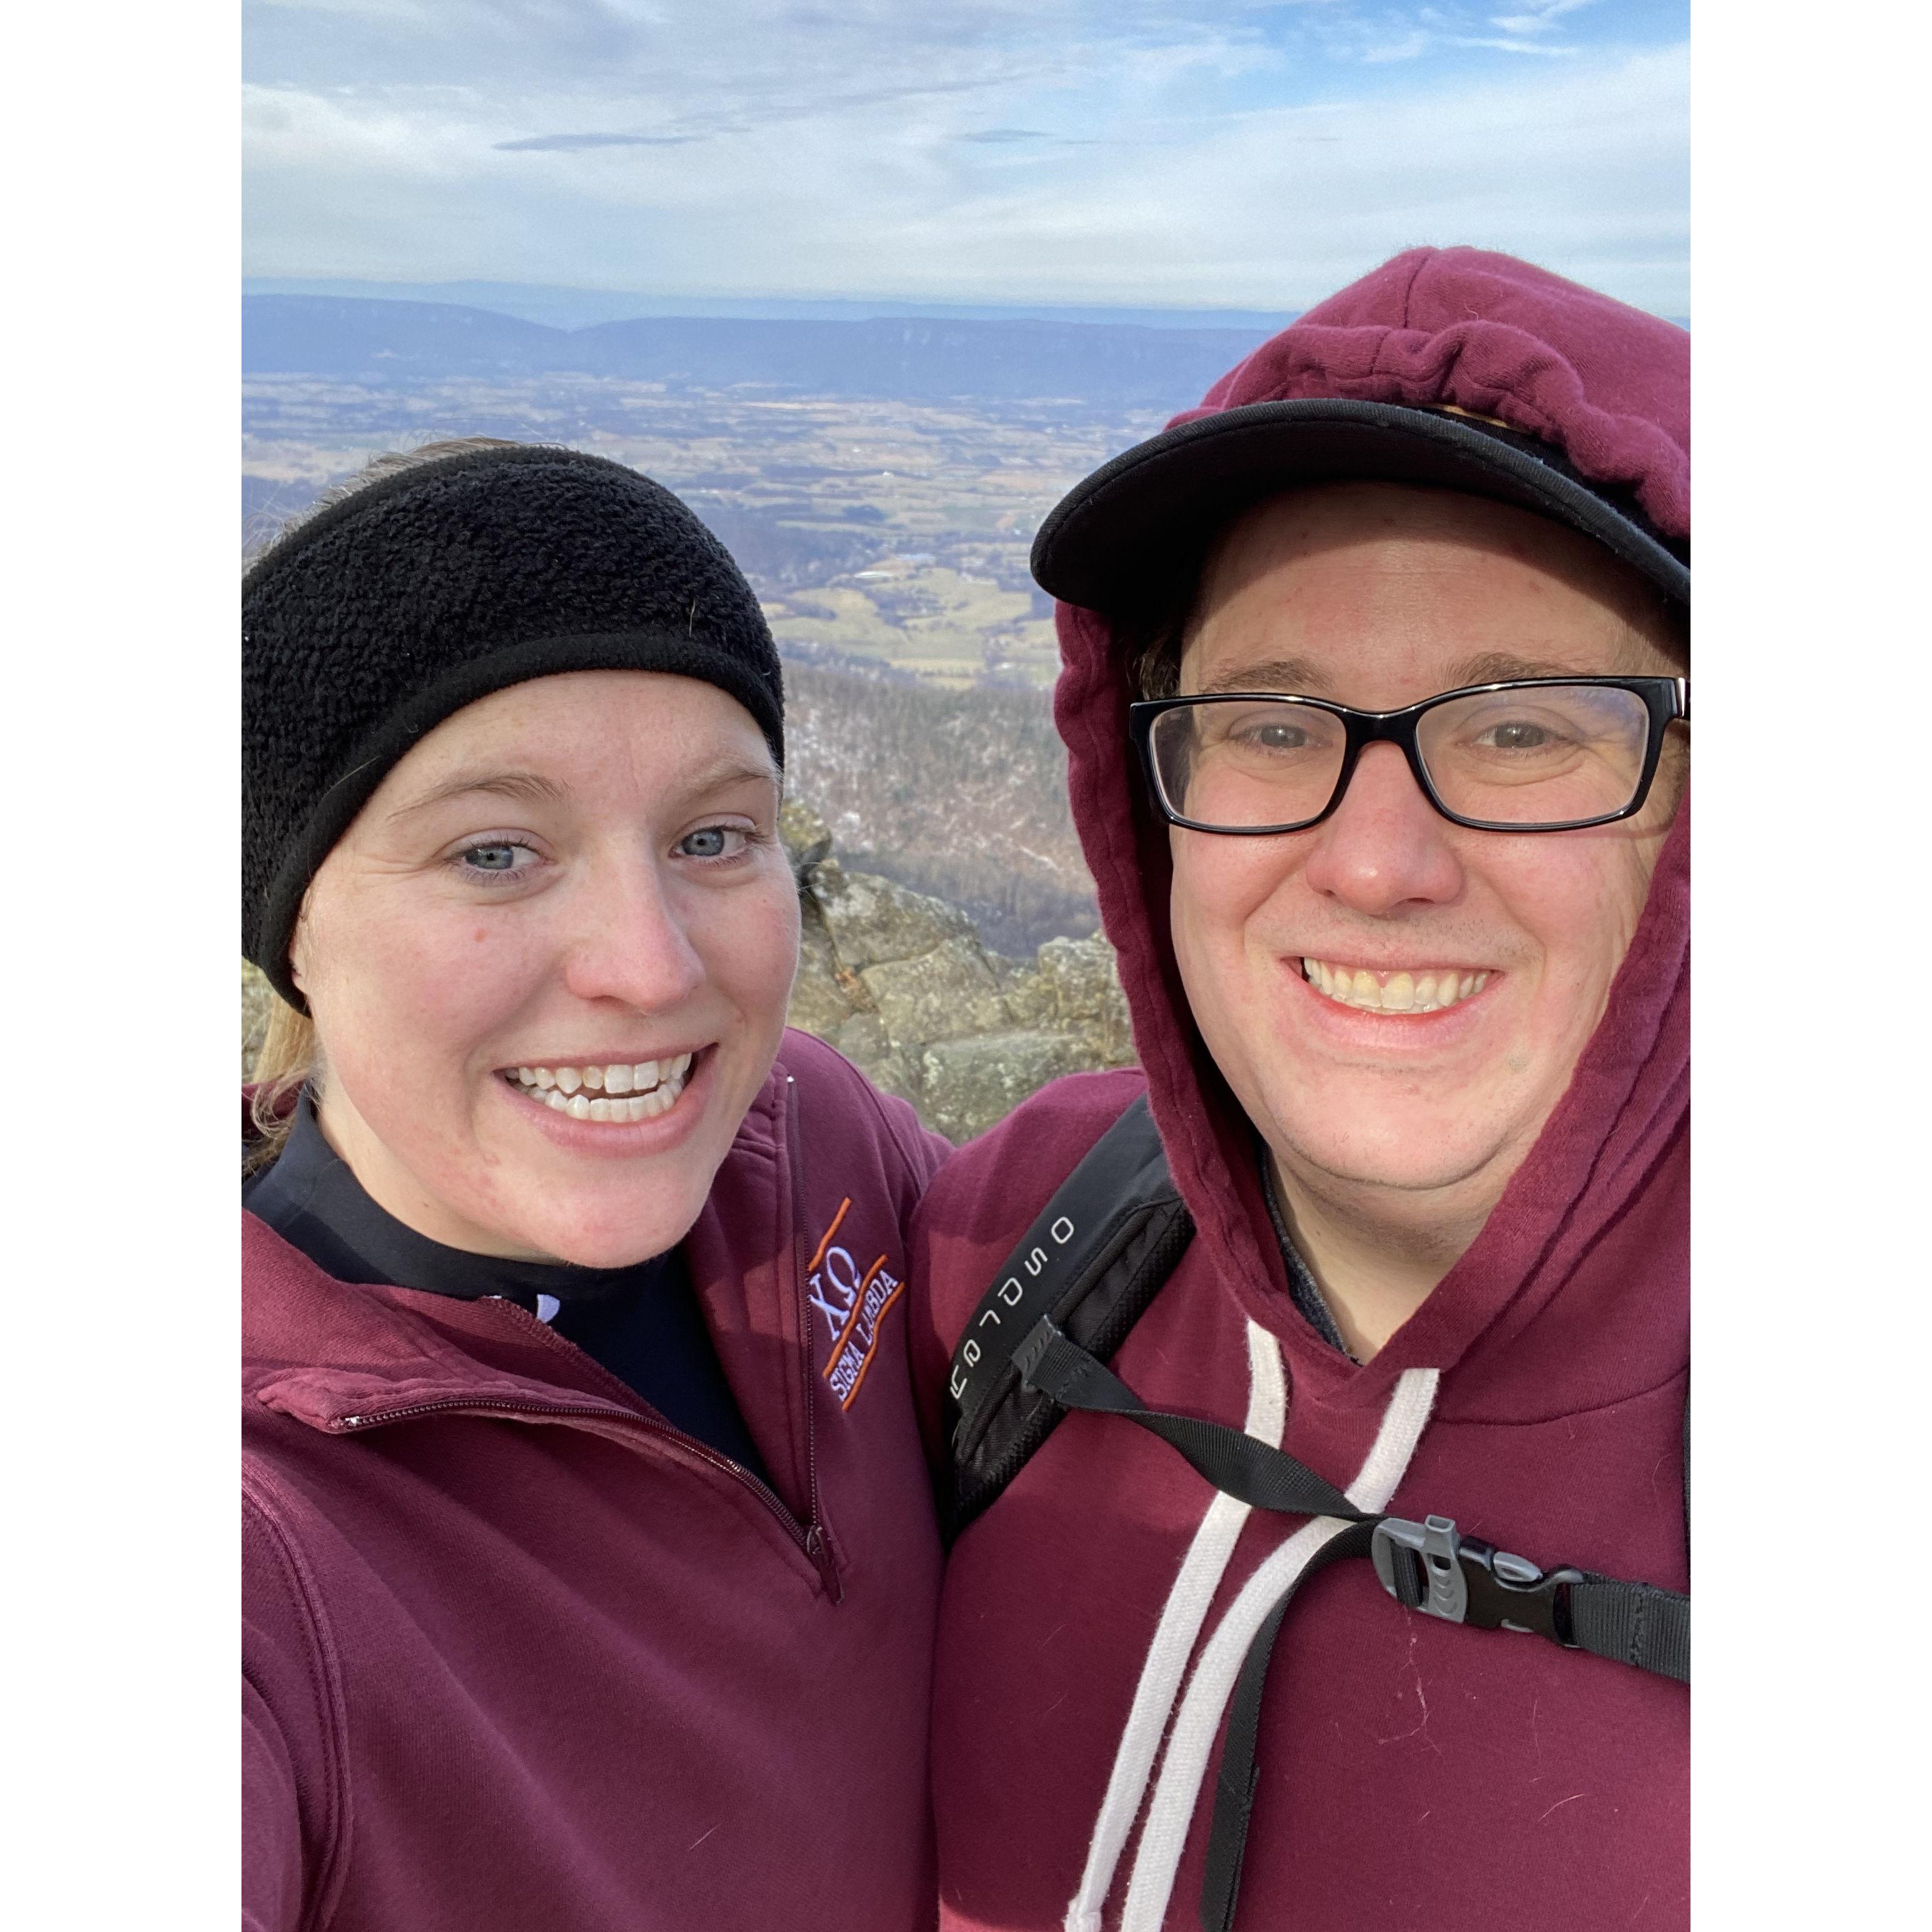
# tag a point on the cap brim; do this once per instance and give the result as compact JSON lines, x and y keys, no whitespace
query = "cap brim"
{"x":1130,"y":536}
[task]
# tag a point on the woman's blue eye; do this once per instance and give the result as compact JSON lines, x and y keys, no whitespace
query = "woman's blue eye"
{"x":708,"y":843}
{"x":492,"y":858}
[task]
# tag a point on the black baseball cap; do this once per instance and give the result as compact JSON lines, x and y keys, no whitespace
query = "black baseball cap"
{"x":1130,"y":539}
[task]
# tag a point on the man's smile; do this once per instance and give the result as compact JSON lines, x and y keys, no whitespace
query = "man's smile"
{"x":1417,"y":989}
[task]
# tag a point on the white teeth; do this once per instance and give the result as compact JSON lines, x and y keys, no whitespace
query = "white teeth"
{"x":652,"y":1087}
{"x":1401,"y":992}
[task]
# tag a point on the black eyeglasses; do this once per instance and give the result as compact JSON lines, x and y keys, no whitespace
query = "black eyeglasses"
{"x":1532,"y":754}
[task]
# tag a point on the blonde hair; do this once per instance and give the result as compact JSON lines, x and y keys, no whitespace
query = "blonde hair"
{"x":289,"y":1055}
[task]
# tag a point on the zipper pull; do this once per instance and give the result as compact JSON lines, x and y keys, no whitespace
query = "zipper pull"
{"x":818,"y":1547}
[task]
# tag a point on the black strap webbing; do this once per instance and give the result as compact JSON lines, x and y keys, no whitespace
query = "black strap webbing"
{"x":1235,"y":1462}
{"x":1096,"y":1256}
{"x":1240,"y":1766}
{"x":1636,"y":1624}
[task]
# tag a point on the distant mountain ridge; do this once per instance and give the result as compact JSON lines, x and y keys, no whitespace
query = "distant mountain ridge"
{"x":912,"y":358}
{"x":578,"y":308}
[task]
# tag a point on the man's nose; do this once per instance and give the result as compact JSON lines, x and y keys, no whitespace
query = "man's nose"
{"x":630,"y":939}
{"x":1384,"y":845}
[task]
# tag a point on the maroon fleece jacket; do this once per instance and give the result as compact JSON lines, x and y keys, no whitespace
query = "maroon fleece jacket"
{"x":1412,"y":1772}
{"x":517,"y":1655}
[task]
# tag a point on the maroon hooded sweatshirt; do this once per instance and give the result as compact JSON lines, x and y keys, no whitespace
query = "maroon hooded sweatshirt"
{"x":518,"y":1654}
{"x":1412,"y":1772}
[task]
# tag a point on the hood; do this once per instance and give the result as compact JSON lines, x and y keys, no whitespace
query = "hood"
{"x":1609,"y":386}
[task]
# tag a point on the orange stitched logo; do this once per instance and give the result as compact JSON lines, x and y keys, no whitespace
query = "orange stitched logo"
{"x":853,"y":1303}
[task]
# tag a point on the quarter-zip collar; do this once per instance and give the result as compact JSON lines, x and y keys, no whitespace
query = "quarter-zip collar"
{"x":345,"y":1358}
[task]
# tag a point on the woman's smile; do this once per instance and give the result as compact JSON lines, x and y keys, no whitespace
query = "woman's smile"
{"x":579,"y":1115}
{"x":617,"y":1091}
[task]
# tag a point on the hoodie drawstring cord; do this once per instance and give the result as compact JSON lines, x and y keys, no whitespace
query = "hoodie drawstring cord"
{"x":1184,"y":1768}
{"x":1180,"y":1620}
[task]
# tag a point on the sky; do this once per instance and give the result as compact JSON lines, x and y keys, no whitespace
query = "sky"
{"x":1151,"y":154}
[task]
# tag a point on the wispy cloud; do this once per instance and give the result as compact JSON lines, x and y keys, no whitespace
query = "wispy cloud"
{"x":568,"y":144}
{"x":1193,"y":151}
{"x":1513,"y":46}
{"x":1411,"y":47}
{"x":1538,"y":19}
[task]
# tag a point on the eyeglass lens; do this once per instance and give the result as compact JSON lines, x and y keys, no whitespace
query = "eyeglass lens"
{"x":1545,"y":755}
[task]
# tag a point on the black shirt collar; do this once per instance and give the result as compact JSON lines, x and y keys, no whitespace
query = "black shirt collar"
{"x":310,"y":1199}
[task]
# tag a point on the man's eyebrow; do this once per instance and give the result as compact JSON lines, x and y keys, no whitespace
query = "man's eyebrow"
{"x":1280,"y":674}
{"x":1499,"y":667}
{"x":525,"y":788}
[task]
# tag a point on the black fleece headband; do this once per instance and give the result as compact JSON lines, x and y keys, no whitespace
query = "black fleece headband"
{"x":420,"y":593}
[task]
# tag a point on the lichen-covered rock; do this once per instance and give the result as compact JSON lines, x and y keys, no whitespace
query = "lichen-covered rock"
{"x":939,"y":995}
{"x":966,"y":1086}
{"x":1080,"y":987}
{"x":820,"y":1002}
{"x":1072,"y":985}
{"x":806,"y":837}
{"x":257,"y":997}
{"x":873,"y":921}
{"x":863,"y":1040}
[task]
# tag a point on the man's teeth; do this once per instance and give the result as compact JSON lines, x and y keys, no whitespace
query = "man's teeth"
{"x":651,"y":1087}
{"x":1392,"y":992}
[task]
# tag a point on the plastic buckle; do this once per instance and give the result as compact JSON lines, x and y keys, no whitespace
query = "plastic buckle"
{"x":1430,"y":1566}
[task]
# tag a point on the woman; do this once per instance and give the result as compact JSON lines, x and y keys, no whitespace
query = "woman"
{"x":590,"y":1567}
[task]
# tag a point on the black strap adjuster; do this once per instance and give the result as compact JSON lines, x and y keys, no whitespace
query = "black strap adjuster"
{"x":1430,"y":1566}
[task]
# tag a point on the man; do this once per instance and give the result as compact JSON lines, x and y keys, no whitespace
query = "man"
{"x":1394,"y":856}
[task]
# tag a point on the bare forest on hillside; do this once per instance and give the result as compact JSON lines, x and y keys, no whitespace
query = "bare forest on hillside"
{"x":961,"y":794}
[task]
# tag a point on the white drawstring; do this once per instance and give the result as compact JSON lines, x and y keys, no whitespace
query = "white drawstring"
{"x":1185,"y":1767}
{"x":1181,"y":1621}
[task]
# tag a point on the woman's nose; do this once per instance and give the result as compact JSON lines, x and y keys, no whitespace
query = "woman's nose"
{"x":1384,"y":845}
{"x":630,"y":940}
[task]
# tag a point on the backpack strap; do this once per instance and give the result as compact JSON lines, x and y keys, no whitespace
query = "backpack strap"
{"x":1428,"y":1566}
{"x":1095,"y":1256}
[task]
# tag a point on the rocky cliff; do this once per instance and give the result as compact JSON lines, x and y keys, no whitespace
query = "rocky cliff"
{"x":901,"y":983}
